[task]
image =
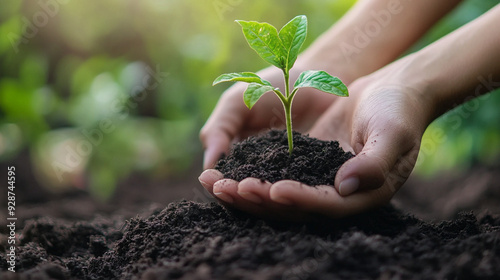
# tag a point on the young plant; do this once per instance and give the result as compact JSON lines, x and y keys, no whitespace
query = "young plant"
{"x":281,"y":50}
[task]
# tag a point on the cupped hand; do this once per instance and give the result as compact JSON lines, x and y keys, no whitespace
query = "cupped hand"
{"x":231,"y":120}
{"x":382,"y":122}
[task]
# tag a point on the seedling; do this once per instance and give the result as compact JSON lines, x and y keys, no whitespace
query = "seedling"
{"x":281,"y":50}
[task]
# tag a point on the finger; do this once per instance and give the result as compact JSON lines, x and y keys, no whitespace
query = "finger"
{"x":228,"y":191}
{"x":255,"y":190}
{"x":279,"y":192}
{"x":256,"y":194}
{"x":223,"y":125}
{"x":217,"y":143}
{"x":208,"y":178}
{"x":332,"y":125}
{"x":325,"y":199}
{"x":225,"y":190}
{"x":371,"y":166}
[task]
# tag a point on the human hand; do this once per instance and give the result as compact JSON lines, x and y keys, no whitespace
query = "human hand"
{"x":384,"y":118}
{"x":231,"y":120}
{"x":382,"y":122}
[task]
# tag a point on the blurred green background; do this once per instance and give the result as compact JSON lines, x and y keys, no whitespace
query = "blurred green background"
{"x":94,"y":91}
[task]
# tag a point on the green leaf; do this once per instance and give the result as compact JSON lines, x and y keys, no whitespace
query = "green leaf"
{"x":254,"y":92}
{"x":247,"y":77}
{"x":322,"y":81}
{"x":292,"y":36}
{"x":263,"y":38}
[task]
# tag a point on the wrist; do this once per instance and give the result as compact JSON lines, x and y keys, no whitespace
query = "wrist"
{"x":452,"y":70}
{"x":328,"y":58}
{"x":409,"y":77}
{"x":419,"y":76}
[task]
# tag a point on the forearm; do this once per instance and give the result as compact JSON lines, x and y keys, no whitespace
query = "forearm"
{"x":460,"y":66}
{"x":374,"y":33}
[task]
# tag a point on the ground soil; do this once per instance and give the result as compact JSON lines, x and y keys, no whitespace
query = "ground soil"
{"x":424,"y":234}
{"x":188,"y":240}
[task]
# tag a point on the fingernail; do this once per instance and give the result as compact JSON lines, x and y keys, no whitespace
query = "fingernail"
{"x":225,"y":197}
{"x":251,"y":197}
{"x":282,"y":200}
{"x":348,"y":186}
{"x":204,"y":184}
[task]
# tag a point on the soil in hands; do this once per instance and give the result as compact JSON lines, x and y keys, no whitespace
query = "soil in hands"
{"x":313,"y":162}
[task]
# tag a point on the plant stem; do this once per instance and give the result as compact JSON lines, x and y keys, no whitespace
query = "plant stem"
{"x":288,"y":111}
{"x":287,"y":82}
{"x":288,"y":116}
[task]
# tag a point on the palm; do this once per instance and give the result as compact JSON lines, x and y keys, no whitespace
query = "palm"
{"x":378,"y":124}
{"x":232,"y":120}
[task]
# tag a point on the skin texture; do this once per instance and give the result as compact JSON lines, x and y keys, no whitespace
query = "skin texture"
{"x":231,"y":120}
{"x":382,"y":121}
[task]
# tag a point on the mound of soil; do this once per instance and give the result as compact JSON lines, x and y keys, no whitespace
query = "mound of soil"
{"x":189,"y":240}
{"x":265,"y":156}
{"x":73,"y":237}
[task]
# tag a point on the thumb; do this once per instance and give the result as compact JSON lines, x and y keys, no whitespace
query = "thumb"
{"x":223,"y":125}
{"x":216,"y":144}
{"x":370,"y":168}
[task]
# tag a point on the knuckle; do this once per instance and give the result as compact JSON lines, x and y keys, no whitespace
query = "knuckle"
{"x":204,"y":132}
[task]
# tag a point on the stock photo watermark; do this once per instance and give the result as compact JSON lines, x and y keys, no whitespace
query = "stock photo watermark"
{"x":75,"y":155}
{"x":30,"y":27}
{"x":202,"y":196}
{"x":11,"y":219}
{"x":472,"y":102}
{"x":364,"y":35}
{"x":222,"y":7}
{"x":454,"y":119}
{"x":321,"y":253}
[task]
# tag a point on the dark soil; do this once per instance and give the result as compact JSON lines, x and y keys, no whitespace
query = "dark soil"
{"x":71,"y":236}
{"x":313,"y":162}
{"x":188,"y":240}
{"x":475,"y":188}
